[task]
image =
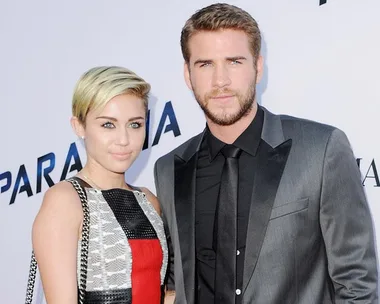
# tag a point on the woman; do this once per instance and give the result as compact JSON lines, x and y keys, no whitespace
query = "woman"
{"x":126,"y":258}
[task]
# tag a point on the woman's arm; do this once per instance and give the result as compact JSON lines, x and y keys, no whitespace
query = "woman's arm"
{"x":169,"y":297}
{"x":56,"y":231}
{"x":152,"y":199}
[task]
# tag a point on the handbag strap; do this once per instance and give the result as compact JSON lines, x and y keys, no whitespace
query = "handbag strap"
{"x":83,"y":252}
{"x":31,"y":280}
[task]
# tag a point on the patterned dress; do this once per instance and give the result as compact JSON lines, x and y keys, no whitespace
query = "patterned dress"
{"x":127,"y":254}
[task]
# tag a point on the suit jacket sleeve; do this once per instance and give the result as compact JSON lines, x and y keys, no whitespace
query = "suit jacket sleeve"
{"x":170,"y":269}
{"x":346,"y":225}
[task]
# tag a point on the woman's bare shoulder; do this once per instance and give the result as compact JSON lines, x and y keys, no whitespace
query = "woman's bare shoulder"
{"x":152,"y":199}
{"x":60,"y":202}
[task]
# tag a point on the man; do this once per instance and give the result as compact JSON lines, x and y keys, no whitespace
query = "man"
{"x":259,"y":208}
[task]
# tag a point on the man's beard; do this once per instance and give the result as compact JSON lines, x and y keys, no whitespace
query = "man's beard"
{"x":245,"y":101}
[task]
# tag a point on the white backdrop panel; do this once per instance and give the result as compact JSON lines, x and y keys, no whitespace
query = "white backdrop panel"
{"x":322,"y":63}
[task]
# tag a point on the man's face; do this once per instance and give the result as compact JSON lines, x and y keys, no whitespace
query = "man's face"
{"x":222,"y":74}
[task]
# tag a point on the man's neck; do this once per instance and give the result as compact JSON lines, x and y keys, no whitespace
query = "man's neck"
{"x":228,"y":134}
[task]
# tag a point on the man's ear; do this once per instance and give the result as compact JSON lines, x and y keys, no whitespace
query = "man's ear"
{"x":259,"y":68}
{"x":186,"y":74}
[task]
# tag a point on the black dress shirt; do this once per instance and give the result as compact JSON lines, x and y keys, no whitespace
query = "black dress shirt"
{"x":209,"y":171}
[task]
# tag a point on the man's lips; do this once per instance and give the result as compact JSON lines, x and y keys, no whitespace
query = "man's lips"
{"x":222,"y":96}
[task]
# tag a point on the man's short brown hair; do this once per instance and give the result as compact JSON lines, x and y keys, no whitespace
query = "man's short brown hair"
{"x":217,"y":17}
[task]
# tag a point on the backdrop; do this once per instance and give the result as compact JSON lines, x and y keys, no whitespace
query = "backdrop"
{"x":322,"y":63}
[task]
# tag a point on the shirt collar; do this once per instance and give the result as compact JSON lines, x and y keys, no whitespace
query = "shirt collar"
{"x":248,"y":141}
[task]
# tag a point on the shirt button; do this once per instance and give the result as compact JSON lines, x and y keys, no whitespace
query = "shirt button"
{"x":237,"y":252}
{"x":238,"y":292}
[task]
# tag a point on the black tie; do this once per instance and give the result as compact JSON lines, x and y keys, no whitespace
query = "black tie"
{"x":225,"y":228}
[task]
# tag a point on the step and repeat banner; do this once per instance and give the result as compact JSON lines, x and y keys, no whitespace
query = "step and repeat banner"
{"x":322,"y":63}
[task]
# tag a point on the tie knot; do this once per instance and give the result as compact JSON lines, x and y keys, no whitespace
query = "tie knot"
{"x":231,"y":151}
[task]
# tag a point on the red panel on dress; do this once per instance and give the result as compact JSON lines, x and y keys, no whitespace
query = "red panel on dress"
{"x":146,"y":266}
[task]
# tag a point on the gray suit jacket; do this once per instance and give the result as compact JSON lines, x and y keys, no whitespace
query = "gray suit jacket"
{"x":310,"y":236}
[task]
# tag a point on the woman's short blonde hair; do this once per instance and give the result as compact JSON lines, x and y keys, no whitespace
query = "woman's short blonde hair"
{"x":100,"y":84}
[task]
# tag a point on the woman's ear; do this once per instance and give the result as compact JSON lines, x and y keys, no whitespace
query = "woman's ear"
{"x":77,"y":127}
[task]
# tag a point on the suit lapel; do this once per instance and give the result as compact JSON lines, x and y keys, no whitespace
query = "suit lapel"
{"x":271,"y":164}
{"x":185,"y":165}
{"x":185,"y":173}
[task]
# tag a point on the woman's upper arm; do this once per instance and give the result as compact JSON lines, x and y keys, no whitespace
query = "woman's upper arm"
{"x":55,"y":238}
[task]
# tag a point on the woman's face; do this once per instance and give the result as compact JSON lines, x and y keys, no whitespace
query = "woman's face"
{"x":114,"y":136}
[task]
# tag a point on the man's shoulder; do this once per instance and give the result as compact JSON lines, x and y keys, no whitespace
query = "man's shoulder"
{"x":293,"y":124}
{"x":310,"y":132}
{"x":303,"y":130}
{"x":289,"y":121}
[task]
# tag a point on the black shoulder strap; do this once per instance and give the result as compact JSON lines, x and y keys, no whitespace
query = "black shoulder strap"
{"x":81,"y":182}
{"x":79,"y":186}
